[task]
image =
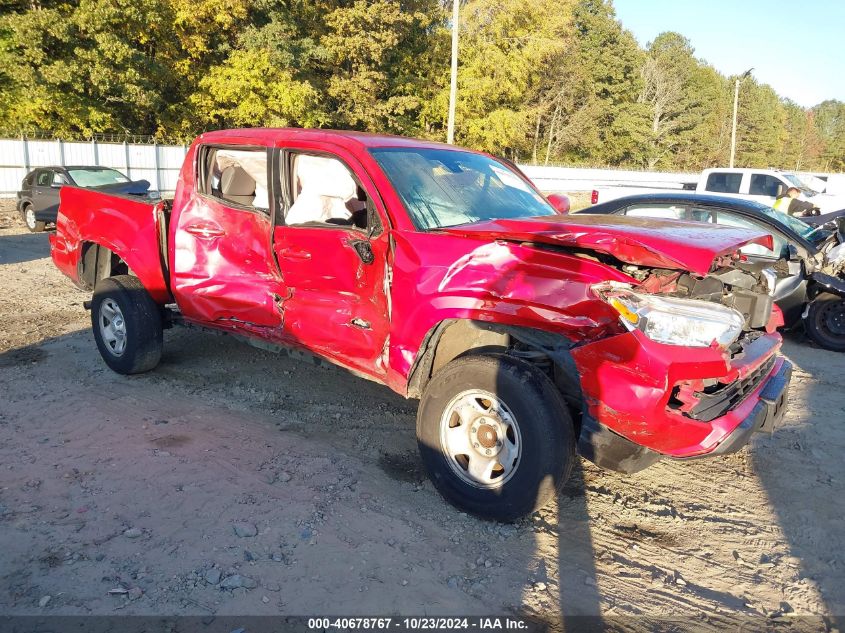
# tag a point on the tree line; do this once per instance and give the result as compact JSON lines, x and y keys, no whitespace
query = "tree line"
{"x":546,"y":81}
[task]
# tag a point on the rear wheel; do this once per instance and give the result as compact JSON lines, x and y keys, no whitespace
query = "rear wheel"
{"x":825,"y":321}
{"x":32,"y":223}
{"x":495,"y":436}
{"x":127,"y":325}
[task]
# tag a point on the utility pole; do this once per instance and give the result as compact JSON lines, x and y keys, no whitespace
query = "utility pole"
{"x":453,"y":88}
{"x":736,"y":105}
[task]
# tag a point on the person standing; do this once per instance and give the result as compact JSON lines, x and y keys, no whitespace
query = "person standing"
{"x":788,"y":202}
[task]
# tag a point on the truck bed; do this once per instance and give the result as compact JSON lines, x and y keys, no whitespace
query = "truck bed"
{"x":96,"y":231}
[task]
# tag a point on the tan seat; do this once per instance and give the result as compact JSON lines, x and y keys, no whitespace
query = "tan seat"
{"x":237,"y":186}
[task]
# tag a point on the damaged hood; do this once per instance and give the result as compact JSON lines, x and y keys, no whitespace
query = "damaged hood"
{"x":689,"y":246}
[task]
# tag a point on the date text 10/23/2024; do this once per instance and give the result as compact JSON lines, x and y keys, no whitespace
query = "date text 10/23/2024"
{"x":424,"y":623}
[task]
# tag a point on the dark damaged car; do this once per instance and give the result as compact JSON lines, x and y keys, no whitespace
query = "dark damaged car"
{"x":38,"y":198}
{"x":806,"y":263}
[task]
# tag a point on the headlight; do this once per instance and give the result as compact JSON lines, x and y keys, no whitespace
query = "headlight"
{"x":672,"y":321}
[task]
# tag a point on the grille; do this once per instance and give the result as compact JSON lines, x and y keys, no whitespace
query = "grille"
{"x":718,"y":399}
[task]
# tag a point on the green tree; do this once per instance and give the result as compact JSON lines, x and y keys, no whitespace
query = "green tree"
{"x":606,"y":61}
{"x":249,"y":90}
{"x":507,"y":48}
{"x":802,"y":146}
{"x":378,"y":51}
{"x":829,"y":118}
{"x":542,"y":80}
{"x":761,"y":126}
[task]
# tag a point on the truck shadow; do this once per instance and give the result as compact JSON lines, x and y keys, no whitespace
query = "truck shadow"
{"x":24,"y":247}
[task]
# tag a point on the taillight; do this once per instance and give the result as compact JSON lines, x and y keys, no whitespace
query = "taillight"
{"x":594,"y":197}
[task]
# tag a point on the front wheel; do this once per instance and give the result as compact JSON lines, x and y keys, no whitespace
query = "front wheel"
{"x":127,"y":325}
{"x":32,"y":223}
{"x":825,"y":321}
{"x":495,"y":436}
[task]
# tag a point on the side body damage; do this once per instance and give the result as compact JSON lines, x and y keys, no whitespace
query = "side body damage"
{"x":396,"y":304}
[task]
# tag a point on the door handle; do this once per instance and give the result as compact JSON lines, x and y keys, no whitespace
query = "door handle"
{"x":204,"y":230}
{"x":295,"y":253}
{"x":363,"y":250}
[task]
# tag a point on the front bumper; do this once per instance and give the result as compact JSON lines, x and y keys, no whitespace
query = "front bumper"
{"x":632,"y":417}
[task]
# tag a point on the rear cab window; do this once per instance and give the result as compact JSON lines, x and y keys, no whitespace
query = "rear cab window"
{"x":723,"y":182}
{"x":236,"y":177}
{"x":765,"y":185}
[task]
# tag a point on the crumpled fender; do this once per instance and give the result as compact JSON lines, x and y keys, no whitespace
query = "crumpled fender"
{"x":829,"y":283}
{"x":438,"y":277}
{"x":660,"y":243}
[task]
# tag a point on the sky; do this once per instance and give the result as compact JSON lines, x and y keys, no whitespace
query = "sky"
{"x":798,"y":48}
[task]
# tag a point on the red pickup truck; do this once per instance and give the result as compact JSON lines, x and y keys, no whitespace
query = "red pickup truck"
{"x":444,"y":274}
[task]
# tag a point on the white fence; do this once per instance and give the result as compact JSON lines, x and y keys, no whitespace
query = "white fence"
{"x":572,"y":179}
{"x":160,"y":164}
{"x":157,"y":164}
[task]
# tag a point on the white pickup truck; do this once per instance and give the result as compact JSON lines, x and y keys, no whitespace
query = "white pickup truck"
{"x":761,"y":185}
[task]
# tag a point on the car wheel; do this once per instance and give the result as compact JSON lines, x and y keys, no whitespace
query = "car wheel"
{"x":825,"y":321}
{"x":495,"y":436}
{"x":32,"y":223}
{"x":127,"y":325}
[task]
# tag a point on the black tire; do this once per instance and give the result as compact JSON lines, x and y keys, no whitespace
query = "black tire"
{"x":28,"y":215}
{"x":825,"y":322}
{"x":142,"y":324}
{"x":542,"y":418}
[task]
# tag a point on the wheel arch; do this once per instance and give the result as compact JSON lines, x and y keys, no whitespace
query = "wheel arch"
{"x":452,"y":338}
{"x":97,"y":262}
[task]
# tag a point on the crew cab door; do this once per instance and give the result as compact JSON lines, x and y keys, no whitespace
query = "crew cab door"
{"x":223,"y":271}
{"x":764,"y":188}
{"x":331,"y":243}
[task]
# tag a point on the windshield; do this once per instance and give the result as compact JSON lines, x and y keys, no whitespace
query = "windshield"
{"x":96,"y":177}
{"x":809,"y":233}
{"x":795,"y":181}
{"x":442,"y":187}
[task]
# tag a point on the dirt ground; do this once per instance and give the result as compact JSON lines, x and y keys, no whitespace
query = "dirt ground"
{"x":236,"y":481}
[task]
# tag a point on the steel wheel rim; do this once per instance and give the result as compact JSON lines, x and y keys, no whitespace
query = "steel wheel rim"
{"x":112,"y":327}
{"x":833,"y":318}
{"x":30,"y":217}
{"x":481,"y":439}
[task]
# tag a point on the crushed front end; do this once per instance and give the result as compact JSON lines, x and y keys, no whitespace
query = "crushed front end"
{"x":694,"y":371}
